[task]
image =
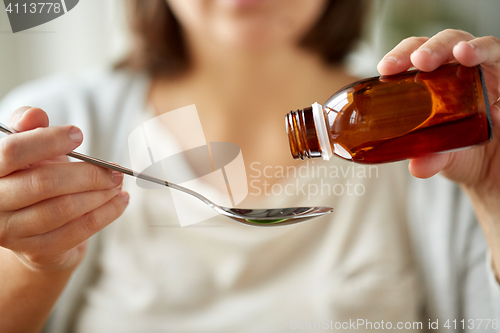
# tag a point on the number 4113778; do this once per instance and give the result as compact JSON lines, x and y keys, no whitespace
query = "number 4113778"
{"x":34,"y":8}
{"x":472,"y":324}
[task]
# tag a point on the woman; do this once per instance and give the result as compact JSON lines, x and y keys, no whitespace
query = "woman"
{"x":244,"y":64}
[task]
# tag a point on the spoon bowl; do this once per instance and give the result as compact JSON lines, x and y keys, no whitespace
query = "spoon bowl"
{"x":275,"y":217}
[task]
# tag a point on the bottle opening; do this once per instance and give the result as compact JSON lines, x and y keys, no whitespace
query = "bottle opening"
{"x":302,"y":134}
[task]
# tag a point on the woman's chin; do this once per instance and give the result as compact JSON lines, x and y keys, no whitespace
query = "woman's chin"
{"x":249,"y":44}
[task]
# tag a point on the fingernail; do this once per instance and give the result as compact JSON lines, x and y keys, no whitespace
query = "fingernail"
{"x":75,"y":134}
{"x":471,"y":45}
{"x":425,"y":49}
{"x":117,"y":177}
{"x":17,"y":123}
{"x":390,"y":59}
{"x":125,"y":197}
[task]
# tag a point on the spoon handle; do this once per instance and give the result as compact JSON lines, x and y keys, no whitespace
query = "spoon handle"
{"x":119,"y":168}
{"x":102,"y":163}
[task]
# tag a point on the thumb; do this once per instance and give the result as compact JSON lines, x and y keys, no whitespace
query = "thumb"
{"x":27,"y":118}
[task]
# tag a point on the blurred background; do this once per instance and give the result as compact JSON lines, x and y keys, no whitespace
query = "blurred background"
{"x":95,"y":33}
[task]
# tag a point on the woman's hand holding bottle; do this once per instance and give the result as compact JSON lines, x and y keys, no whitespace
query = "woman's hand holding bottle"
{"x":477,"y":170}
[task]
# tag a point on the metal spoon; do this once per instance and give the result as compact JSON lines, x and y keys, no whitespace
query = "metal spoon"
{"x":252,"y":217}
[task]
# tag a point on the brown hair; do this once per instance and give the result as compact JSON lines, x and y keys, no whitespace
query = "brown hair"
{"x":159,"y":46}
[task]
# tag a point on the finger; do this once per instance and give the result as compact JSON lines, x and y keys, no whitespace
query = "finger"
{"x":27,"y":118}
{"x":398,"y":59}
{"x":27,"y":187}
{"x":438,"y":50}
{"x":53,"y":213}
{"x":483,"y":50}
{"x":495,"y":114}
{"x":78,"y":230}
{"x":22,"y":149}
{"x":47,"y":263}
{"x":429,"y":165}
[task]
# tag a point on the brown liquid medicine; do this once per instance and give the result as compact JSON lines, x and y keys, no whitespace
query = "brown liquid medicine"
{"x":391,"y":118}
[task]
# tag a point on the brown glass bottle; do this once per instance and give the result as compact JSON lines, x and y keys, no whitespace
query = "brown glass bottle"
{"x":391,"y":118}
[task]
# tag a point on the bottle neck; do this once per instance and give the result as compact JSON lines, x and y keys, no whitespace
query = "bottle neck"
{"x":302,"y":134}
